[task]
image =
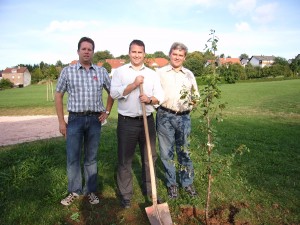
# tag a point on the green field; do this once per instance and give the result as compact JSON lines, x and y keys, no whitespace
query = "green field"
{"x":259,"y":187}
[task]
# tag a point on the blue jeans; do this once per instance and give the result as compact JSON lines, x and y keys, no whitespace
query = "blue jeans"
{"x":173,"y":133}
{"x":82,"y":131}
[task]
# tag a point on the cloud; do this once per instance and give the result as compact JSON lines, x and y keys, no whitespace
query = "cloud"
{"x":242,"y":26}
{"x":242,"y":7}
{"x":265,"y":13}
{"x":69,"y":25}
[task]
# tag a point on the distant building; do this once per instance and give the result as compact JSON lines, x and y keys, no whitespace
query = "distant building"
{"x":244,"y":62}
{"x":114,"y":63}
{"x":224,"y":61}
{"x":156,"y":62}
{"x":262,"y":61}
{"x":19,"y":76}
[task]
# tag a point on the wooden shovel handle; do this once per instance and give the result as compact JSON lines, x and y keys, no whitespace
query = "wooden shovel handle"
{"x":149,"y":152}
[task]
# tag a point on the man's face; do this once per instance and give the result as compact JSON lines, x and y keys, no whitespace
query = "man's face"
{"x":85,"y":52}
{"x":136,"y":55}
{"x":177,"y":58}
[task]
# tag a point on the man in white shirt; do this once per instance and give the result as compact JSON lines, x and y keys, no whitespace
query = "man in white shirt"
{"x":130,"y":131}
{"x":173,"y":122}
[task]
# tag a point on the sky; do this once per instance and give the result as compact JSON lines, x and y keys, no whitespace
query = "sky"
{"x":33,"y":31}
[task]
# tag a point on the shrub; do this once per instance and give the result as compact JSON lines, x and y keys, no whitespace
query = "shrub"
{"x":6,"y":83}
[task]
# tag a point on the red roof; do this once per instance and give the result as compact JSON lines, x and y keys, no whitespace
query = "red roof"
{"x":73,"y":62}
{"x":18,"y":70}
{"x":156,"y":62}
{"x":229,"y":60}
{"x":115,"y":63}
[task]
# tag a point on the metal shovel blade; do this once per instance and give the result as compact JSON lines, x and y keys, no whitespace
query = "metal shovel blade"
{"x":159,"y":214}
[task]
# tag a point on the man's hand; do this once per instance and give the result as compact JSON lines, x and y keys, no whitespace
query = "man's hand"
{"x":138,"y":80}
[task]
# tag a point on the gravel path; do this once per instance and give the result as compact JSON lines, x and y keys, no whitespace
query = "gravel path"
{"x":19,"y":129}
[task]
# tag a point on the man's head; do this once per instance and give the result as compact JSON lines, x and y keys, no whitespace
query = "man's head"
{"x":85,"y":50}
{"x":177,"y":54}
{"x":137,"y":52}
{"x":86,"y":39}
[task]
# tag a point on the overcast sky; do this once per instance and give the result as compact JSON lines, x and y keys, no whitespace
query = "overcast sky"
{"x":33,"y":30}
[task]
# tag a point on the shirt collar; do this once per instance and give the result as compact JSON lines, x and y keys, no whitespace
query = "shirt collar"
{"x":170,"y":68}
{"x":79,"y":66}
{"x":131,"y":66}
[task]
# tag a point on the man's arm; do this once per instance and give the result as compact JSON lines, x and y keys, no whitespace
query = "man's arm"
{"x":130,"y":87}
{"x":60,"y":113}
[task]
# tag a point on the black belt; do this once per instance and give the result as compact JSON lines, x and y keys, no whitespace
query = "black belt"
{"x":85,"y":113}
{"x":174,"y":112}
{"x":133,"y":118}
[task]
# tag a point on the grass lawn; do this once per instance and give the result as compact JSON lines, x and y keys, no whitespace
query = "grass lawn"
{"x":259,"y":187}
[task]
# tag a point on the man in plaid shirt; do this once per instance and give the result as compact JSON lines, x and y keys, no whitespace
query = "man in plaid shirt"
{"x":84,"y":83}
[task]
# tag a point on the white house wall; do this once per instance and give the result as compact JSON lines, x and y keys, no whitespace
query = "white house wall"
{"x":27,"y":78}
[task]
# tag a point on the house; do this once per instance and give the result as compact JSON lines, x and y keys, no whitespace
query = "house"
{"x":262,"y":61}
{"x":114,"y":63}
{"x":296,"y":58}
{"x":224,"y":61}
{"x":244,"y":62}
{"x":19,"y":76}
{"x":156,"y":62}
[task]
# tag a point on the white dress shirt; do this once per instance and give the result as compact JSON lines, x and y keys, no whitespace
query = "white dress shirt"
{"x":130,"y":104}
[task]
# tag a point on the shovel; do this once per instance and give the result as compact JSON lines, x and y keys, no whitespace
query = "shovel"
{"x":158,"y":214}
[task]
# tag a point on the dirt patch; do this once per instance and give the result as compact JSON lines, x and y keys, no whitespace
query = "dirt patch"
{"x":222,"y":215}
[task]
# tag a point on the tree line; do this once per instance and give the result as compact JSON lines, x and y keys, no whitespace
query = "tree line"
{"x":195,"y":61}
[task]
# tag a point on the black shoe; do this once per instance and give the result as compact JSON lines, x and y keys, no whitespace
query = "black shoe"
{"x":173,"y":191}
{"x":125,"y":203}
{"x":191,"y":190}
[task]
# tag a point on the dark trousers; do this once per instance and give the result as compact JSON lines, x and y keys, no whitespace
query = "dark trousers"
{"x":130,"y":132}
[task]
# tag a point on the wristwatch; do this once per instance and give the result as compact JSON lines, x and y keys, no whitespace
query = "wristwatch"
{"x":107,"y":112}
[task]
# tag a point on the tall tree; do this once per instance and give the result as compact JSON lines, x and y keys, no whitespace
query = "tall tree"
{"x":280,"y":61}
{"x":244,"y":56}
{"x":159,"y":54}
{"x":295,"y":66}
{"x":195,"y":65}
{"x":107,"y":66}
{"x":101,"y":56}
{"x":59,"y":63}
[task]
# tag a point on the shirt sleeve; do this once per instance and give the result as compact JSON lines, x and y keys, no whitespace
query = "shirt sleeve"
{"x":62,"y":81}
{"x":117,"y":88}
{"x":158,"y":91}
{"x":106,"y":80}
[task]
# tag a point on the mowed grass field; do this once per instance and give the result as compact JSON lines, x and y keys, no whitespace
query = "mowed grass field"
{"x":261,"y":186}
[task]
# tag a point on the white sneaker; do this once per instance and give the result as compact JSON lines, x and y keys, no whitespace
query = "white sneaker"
{"x":69,"y":199}
{"x":93,"y":199}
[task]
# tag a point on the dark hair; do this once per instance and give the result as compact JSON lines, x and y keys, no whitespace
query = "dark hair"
{"x":87,"y":39}
{"x":138,"y":43}
{"x":179,"y":46}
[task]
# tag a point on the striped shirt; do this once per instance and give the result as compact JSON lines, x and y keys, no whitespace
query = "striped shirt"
{"x":84,"y":87}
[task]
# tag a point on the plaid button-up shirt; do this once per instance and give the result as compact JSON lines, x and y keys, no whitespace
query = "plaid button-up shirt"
{"x":84,"y":87}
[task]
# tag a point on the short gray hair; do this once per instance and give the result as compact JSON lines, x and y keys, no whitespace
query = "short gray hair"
{"x":179,"y":46}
